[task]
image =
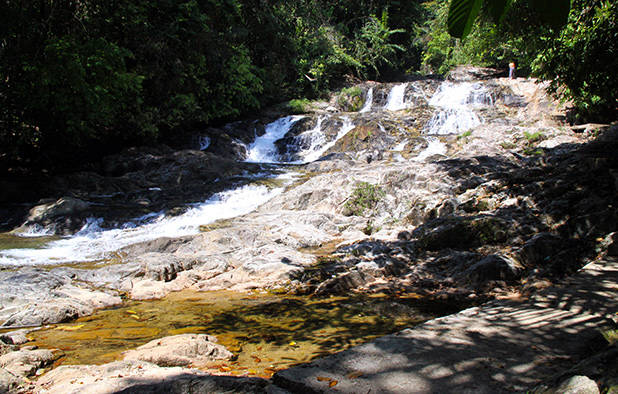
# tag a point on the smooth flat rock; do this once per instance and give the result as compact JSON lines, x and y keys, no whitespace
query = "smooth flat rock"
{"x":502,"y":346}
{"x":141,"y":377}
{"x":180,"y":350}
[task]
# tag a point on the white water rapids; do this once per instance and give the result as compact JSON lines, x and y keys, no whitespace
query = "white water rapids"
{"x":396,"y":98}
{"x":93,"y":243}
{"x":454,"y":103}
{"x":263,"y":149}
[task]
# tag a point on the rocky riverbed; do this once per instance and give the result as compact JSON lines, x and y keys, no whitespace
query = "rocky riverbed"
{"x":458,"y":199}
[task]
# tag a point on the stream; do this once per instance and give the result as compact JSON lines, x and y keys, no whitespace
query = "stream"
{"x":267,"y":331}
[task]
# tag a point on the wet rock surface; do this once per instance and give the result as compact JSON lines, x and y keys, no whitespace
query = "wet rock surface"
{"x":505,"y":209}
{"x":131,"y":184}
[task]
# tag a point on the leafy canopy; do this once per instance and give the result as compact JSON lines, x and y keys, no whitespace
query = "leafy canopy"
{"x":463,"y":13}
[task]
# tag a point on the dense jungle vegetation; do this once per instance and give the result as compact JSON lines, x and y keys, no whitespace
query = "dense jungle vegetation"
{"x":83,"y":78}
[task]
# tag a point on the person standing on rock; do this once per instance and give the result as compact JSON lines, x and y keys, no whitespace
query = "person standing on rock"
{"x":512,"y":70}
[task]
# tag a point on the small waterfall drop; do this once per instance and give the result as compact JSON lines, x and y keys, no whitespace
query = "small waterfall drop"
{"x":395,"y":101}
{"x":315,"y":154}
{"x":368,"y":101}
{"x":456,"y":103}
{"x":310,"y":145}
{"x":263,"y":149}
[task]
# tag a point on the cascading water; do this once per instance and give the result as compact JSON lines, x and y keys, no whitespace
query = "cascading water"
{"x":263,"y":149}
{"x":93,"y":243}
{"x":395,"y":101}
{"x":318,"y":143}
{"x":368,"y":101}
{"x":456,"y":103}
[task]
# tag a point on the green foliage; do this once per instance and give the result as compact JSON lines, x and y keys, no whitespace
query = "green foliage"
{"x":461,"y":16}
{"x":463,"y":13}
{"x":465,"y":134}
{"x":508,"y":145}
{"x":87,"y":76}
{"x":581,"y":61}
{"x":534,"y":137}
{"x":518,"y":39}
{"x":531,"y":148}
{"x":350,"y":99}
{"x":298,"y":106}
{"x":94,"y":75}
{"x":373,"y":46}
{"x":364,"y":197}
{"x":371,"y":228}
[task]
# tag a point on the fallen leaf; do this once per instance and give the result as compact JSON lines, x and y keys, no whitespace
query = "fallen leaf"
{"x":136,"y":317}
{"x":252,"y":371}
{"x":70,"y":328}
{"x":323,"y":379}
{"x":333,"y":383}
{"x":225,"y":369}
{"x":292,"y":343}
{"x":131,"y":312}
{"x":256,"y":358}
{"x":259,"y":348}
{"x":354,"y":375}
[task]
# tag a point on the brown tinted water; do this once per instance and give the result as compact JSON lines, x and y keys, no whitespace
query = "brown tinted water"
{"x":266,"y":331}
{"x":10,"y":241}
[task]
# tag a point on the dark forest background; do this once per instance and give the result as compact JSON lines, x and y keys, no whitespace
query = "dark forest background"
{"x":83,"y":78}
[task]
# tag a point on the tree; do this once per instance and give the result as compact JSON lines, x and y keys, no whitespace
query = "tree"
{"x":463,"y":13}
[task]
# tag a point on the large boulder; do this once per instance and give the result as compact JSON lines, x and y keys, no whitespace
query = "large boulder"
{"x":51,"y":300}
{"x":14,"y":337}
{"x":462,"y":232}
{"x":27,"y":362}
{"x":180,"y":350}
{"x":493,"y":268}
{"x":540,"y":248}
{"x":65,"y":206}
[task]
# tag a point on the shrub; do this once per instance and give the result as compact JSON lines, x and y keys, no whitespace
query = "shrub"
{"x":351,"y":99}
{"x":298,"y":106}
{"x":364,"y":197}
{"x":534,"y":137}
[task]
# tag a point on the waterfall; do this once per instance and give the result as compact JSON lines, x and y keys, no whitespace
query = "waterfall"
{"x":368,"y":101}
{"x":456,"y":103}
{"x":316,"y":152}
{"x":395,"y":99}
{"x":93,"y":243}
{"x":311,"y":144}
{"x":263,"y":149}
